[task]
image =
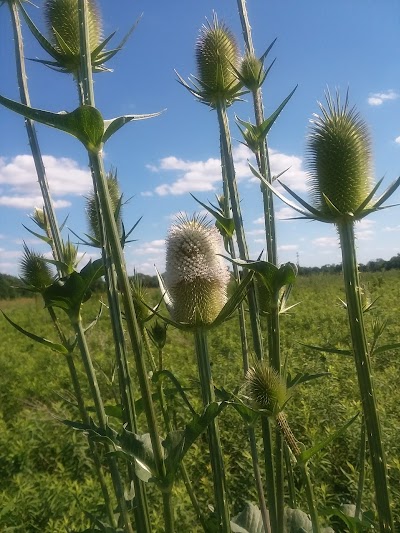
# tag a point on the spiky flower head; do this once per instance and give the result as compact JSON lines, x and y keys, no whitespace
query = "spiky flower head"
{"x":69,"y":257}
{"x":35,"y":272}
{"x":196,"y":276}
{"x":62,"y":21}
{"x":217,"y":57}
{"x":252,"y":71}
{"x":92,"y":211}
{"x":339,"y":158}
{"x":265,"y":388}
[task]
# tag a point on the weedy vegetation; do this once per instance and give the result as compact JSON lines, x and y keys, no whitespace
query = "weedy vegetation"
{"x":248,"y":401}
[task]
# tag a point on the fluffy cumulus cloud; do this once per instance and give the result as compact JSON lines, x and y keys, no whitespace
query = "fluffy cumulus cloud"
{"x":20,"y":189}
{"x":204,"y":176}
{"x":397,"y":140}
{"x":326,"y":242}
{"x":379,"y":98}
{"x":364,"y":229}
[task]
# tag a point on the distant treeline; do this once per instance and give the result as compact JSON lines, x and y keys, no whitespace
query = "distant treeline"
{"x":12,"y":287}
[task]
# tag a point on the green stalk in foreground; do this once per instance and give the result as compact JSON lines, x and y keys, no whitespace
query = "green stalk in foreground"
{"x":197,"y":281}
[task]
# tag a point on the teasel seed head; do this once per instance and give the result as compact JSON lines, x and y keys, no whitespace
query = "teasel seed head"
{"x":265,"y":388}
{"x":35,"y":272}
{"x":217,"y":57}
{"x":251,"y":72}
{"x":196,"y":276}
{"x":62,"y":21}
{"x":339,"y":158}
{"x":92,"y":211}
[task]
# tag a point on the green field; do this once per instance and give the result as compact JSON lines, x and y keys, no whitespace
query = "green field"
{"x":46,"y":478}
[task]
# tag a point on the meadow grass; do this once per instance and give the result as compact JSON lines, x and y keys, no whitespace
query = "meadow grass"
{"x":46,"y":478}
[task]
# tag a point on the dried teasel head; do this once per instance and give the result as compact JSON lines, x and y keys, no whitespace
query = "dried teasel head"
{"x":196,"y":276}
{"x":339,"y":158}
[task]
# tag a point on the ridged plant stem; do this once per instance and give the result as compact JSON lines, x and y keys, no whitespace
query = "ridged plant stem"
{"x":31,"y":131}
{"x":229,"y":243}
{"x":216,"y":456}
{"x":364,"y":374}
{"x":272,"y":257}
{"x":112,"y":236}
{"x":54,"y":234}
{"x":102,"y":419}
{"x":226,"y":149}
{"x":310,"y":497}
{"x":361,"y":479}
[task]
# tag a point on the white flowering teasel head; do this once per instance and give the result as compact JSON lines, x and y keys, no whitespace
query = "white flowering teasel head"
{"x":196,"y":275}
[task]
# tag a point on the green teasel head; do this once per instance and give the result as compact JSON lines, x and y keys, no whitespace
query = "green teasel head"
{"x":252,"y":73}
{"x":35,"y":272}
{"x":265,"y":388}
{"x":92,"y":211}
{"x":339,"y":159}
{"x":217,"y":58}
{"x":139,"y":295}
{"x":69,"y":257}
{"x":62,"y":21}
{"x":196,"y":276}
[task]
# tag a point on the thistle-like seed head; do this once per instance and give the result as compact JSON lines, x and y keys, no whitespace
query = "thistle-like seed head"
{"x":217,"y":56}
{"x":35,"y":272}
{"x":251,"y":71}
{"x":339,"y":158}
{"x":92,"y":212}
{"x":62,"y":21}
{"x":158,"y":334}
{"x":196,"y":276}
{"x":265,"y":388}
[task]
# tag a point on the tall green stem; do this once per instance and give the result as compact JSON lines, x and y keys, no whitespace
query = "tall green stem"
{"x":310,"y":497}
{"x":226,"y":148}
{"x":364,"y":374}
{"x":272,"y":255}
{"x":112,"y":236}
{"x":217,"y":461}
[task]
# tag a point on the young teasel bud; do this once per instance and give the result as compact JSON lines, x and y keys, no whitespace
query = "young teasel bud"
{"x":252,"y":72}
{"x":92,"y":210}
{"x":265,"y":388}
{"x":39,"y":217}
{"x":35,"y":272}
{"x":158,"y":334}
{"x":139,"y":296}
{"x":339,"y":159}
{"x":196,"y":276}
{"x":216,"y":54}
{"x":70,"y":257}
{"x":62,"y":22}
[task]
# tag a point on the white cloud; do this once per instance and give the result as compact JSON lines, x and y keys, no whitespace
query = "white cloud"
{"x":397,"y":140}
{"x":29,"y":202}
{"x":325,"y":242}
{"x":152,"y":247}
{"x":288,"y":247}
{"x":146,"y":193}
{"x":286,"y":213}
{"x":363,"y":229}
{"x":21,"y":188}
{"x":392,"y":228}
{"x":203,"y":176}
{"x":378,"y":98}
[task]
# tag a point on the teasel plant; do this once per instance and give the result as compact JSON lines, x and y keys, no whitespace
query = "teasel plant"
{"x":218,"y":84}
{"x":267,"y":393}
{"x":253,"y":73}
{"x":343,"y":193}
{"x":195,"y":292}
{"x":64,"y":254}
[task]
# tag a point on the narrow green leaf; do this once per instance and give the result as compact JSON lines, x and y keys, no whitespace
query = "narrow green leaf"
{"x":162,"y":374}
{"x":307,"y":454}
{"x":227,"y":224}
{"x":389,"y":191}
{"x":114,"y":124}
{"x":233,"y":302}
{"x":41,"y":340}
{"x":386,"y":348}
{"x":38,"y":235}
{"x":327,"y":349}
{"x":304,"y":378}
{"x":269,"y":122}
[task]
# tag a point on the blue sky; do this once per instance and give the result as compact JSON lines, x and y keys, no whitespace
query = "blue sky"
{"x":343,"y":44}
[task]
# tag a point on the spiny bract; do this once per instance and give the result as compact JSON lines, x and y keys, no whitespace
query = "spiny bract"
{"x":339,"y":158}
{"x":196,"y":276}
{"x":62,"y":22}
